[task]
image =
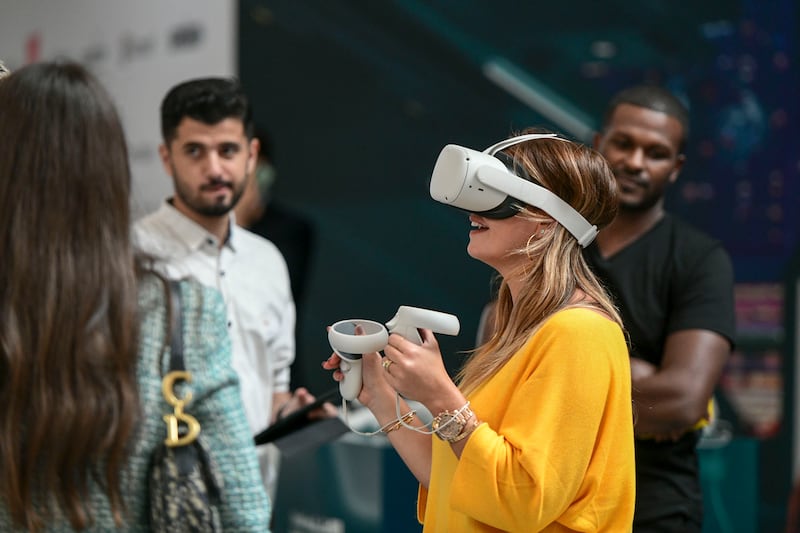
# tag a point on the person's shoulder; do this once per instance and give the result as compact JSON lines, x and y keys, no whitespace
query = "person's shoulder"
{"x":579,"y":323}
{"x":149,"y":219}
{"x":149,"y":237}
{"x":255,"y":243}
{"x":141,"y":227}
{"x":694,"y":254}
{"x":578,"y":316}
{"x":576,"y":329}
{"x":689,"y":234}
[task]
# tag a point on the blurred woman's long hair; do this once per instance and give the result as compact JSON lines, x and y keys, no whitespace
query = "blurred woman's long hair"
{"x":554,"y":266}
{"x":69,"y":399}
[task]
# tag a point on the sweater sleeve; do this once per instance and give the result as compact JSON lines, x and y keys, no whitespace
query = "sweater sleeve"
{"x":217,"y":406}
{"x":541,"y":455}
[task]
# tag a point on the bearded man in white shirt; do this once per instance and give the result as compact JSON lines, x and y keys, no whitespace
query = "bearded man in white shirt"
{"x":209,"y":151}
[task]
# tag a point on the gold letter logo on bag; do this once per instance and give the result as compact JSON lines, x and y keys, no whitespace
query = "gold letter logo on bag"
{"x":174,"y":438}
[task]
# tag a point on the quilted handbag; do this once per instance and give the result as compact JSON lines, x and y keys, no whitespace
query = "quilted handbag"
{"x":184,"y":483}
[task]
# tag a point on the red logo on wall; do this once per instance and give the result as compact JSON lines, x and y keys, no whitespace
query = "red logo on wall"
{"x":33,"y":48}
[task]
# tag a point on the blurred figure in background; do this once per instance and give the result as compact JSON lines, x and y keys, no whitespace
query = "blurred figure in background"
{"x":674,"y":289}
{"x":83,"y":332}
{"x":261,"y":213}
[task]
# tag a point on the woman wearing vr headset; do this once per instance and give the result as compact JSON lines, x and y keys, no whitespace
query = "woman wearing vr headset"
{"x":536,"y":433}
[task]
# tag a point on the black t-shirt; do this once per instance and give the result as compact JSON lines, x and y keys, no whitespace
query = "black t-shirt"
{"x":672,"y":278}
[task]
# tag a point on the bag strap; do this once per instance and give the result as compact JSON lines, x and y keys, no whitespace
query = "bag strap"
{"x":176,"y":327}
{"x":182,"y":428}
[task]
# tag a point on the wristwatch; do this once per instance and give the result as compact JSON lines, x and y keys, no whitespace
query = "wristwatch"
{"x":448,"y":425}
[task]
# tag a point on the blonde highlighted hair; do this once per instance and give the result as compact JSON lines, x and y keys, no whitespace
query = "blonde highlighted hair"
{"x":555,"y":267}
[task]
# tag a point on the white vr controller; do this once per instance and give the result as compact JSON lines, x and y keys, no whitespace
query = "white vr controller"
{"x":372,"y":336}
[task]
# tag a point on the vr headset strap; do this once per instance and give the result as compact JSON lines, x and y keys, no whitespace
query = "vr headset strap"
{"x":532,"y":194}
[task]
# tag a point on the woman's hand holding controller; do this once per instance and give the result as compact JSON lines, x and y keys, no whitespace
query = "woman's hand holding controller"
{"x":375,"y":389}
{"x":417,"y":371}
{"x":374,"y":384}
{"x":412,"y":365}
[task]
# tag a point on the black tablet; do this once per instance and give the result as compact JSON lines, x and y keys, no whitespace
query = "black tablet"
{"x":294,"y":420}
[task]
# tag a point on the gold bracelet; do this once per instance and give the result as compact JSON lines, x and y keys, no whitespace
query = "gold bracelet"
{"x":395,"y":424}
{"x":467,"y":430}
{"x":448,"y":425}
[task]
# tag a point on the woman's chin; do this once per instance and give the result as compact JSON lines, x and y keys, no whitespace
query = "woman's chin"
{"x":476,"y":253}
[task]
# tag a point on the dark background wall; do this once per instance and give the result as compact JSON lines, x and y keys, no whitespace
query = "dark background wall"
{"x":359,"y":97}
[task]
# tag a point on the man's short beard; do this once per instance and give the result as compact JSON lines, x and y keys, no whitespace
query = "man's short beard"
{"x":640,"y":207}
{"x":212,"y":210}
{"x":215,"y":210}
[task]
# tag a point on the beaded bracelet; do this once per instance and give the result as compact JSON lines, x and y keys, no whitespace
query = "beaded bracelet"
{"x":395,"y":424}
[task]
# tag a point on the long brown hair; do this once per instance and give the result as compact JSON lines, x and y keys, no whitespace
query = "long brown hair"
{"x":555,"y":266}
{"x":69,"y":399}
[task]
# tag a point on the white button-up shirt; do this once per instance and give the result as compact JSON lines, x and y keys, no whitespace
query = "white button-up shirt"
{"x":253,"y":278}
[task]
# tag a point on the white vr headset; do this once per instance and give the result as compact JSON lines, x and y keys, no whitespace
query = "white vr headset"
{"x":482,"y":183}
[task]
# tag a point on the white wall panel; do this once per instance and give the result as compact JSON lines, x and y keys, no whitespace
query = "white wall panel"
{"x":138,"y":49}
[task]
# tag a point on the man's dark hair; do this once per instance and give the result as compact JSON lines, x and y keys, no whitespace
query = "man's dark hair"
{"x":208,"y":100}
{"x":651,"y":97}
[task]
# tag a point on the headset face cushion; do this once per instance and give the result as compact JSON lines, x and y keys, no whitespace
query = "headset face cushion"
{"x":507,"y":209}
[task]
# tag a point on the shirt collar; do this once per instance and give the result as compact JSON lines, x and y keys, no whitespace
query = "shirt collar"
{"x":193,"y":234}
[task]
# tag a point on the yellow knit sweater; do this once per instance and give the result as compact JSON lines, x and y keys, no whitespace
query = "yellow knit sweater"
{"x":556,"y":450}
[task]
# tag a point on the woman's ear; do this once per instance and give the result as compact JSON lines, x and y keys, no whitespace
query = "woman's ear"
{"x":544,"y":226}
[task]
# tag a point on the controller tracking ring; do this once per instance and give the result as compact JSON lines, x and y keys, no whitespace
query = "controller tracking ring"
{"x":374,"y":339}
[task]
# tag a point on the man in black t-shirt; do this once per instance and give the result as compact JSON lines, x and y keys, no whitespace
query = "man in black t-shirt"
{"x":674,"y":288}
